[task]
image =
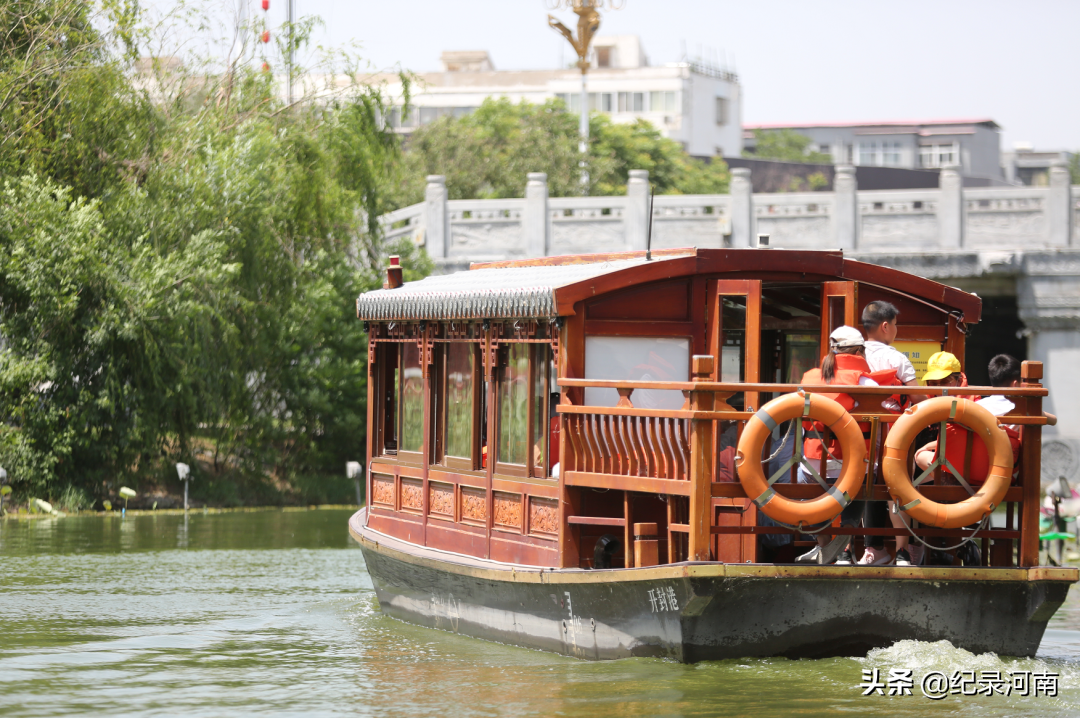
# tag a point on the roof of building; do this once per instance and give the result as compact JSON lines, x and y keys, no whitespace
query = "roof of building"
{"x":882,"y":123}
{"x":548,"y":287}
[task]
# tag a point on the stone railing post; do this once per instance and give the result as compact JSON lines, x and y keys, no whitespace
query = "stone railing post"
{"x":535,"y":219}
{"x":636,"y":218}
{"x":950,"y":211}
{"x":845,"y":207}
{"x":1059,"y":205}
{"x":701,"y":463}
{"x":742,"y":208}
{"x":436,"y":218}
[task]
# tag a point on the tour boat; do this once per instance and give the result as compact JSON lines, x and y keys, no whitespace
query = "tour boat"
{"x":566,"y":454}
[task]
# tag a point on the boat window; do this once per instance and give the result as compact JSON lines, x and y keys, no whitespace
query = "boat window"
{"x":514,"y":405}
{"x":523,"y":396}
{"x":386,"y":367}
{"x":637,"y":358}
{"x":540,"y":399}
{"x":459,"y":375}
{"x":410,"y":387}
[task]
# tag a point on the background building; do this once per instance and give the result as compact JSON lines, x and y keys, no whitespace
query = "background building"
{"x":1027,"y":166}
{"x":694,"y":103}
{"x":974,"y":145}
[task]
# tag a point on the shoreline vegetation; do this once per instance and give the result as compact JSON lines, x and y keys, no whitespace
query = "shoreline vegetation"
{"x":181,"y":250}
{"x":26,"y":514}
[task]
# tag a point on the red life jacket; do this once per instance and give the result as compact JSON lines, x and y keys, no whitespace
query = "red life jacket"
{"x":957,"y":439}
{"x":849,"y":369}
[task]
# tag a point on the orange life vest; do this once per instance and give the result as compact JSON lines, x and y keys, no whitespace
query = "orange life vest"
{"x":849,"y":369}
{"x":956,"y":444}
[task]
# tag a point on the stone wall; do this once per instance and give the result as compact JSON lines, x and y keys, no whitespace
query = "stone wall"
{"x":1023,"y":241}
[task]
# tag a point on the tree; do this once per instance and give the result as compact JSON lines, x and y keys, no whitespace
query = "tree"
{"x":786,"y":146}
{"x":488,"y":153}
{"x":179,"y":263}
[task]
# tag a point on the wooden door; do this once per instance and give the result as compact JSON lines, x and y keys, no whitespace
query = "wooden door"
{"x":734,"y":339}
{"x":839,"y":306}
{"x":736,"y":347}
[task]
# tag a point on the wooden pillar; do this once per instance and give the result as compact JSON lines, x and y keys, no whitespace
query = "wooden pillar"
{"x":701,"y":464}
{"x":491,"y":372}
{"x":374,"y":409}
{"x":571,"y":365}
{"x":1031,"y":447}
{"x":427,"y":348}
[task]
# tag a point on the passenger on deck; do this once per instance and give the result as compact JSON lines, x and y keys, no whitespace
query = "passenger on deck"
{"x":844,"y":364}
{"x":942,"y":369}
{"x":879,"y":323}
{"x":1004,"y":371}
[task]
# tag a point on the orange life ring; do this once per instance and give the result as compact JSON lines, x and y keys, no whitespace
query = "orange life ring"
{"x":797,"y":406}
{"x":894,"y":463}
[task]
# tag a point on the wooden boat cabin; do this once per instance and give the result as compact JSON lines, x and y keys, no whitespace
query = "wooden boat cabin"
{"x":534,"y":412}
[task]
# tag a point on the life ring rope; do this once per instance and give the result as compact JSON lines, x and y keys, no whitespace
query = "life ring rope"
{"x":942,"y":460}
{"x":905,"y":492}
{"x":798,"y":407}
{"x":797,"y":458}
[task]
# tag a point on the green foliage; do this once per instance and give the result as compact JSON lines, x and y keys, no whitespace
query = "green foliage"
{"x":488,"y":154}
{"x":786,"y":146}
{"x":178,"y":277}
{"x":813,"y":182}
{"x":1074,"y":168}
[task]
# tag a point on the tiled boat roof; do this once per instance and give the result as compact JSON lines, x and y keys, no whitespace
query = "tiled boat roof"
{"x":488,"y":292}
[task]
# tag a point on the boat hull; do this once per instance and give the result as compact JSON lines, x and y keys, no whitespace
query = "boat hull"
{"x":706,"y":611}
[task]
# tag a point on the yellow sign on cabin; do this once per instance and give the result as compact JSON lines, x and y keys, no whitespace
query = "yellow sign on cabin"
{"x":917,"y":353}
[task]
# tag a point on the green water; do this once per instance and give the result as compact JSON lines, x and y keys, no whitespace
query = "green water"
{"x":273,"y":613}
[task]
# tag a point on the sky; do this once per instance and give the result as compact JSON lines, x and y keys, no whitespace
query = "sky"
{"x":1017,"y":63}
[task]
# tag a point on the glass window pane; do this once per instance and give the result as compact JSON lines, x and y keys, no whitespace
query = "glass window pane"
{"x":656,"y":101}
{"x":669,"y":102}
{"x":514,"y":406}
{"x":644,"y":358}
{"x":460,"y":359}
{"x":540,"y":401}
{"x":639,"y":102}
{"x":412,"y":399}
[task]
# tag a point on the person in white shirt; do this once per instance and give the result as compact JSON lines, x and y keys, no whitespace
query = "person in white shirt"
{"x":879,"y":323}
{"x":1004,"y":371}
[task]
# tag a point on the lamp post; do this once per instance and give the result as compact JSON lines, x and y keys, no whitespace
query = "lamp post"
{"x":588,"y":12}
{"x":184,"y":472}
{"x":353,"y":470}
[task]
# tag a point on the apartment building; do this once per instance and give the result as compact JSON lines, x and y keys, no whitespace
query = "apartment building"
{"x":694,"y":103}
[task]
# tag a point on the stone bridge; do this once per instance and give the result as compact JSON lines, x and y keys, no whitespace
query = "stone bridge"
{"x":1016,"y":247}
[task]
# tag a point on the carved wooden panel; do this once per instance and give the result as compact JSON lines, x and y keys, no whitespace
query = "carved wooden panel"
{"x":382,"y":491}
{"x":441,"y":499}
{"x":473,"y":505}
{"x":507,"y":510}
{"x":543,"y":516}
{"x":412,"y":495}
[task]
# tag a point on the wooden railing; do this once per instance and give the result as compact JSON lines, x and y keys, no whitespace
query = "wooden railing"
{"x":670,"y":452}
{"x":655,"y":446}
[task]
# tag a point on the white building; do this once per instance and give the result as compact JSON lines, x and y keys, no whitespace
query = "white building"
{"x":693,"y":103}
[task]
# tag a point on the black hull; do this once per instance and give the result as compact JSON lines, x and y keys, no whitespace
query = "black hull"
{"x":698,"y":611}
